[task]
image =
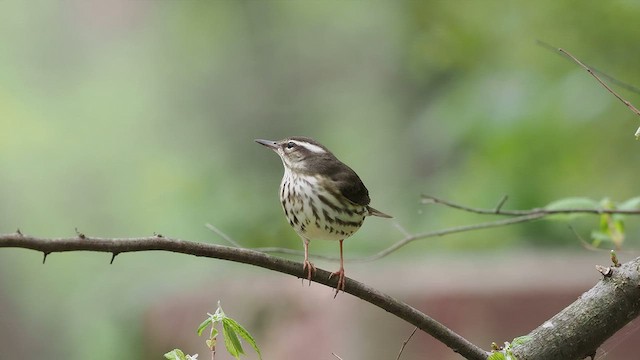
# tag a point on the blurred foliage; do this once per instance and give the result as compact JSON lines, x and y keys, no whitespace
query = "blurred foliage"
{"x":124,"y":118}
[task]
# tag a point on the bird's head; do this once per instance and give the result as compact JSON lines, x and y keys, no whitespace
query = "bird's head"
{"x":297,"y":152}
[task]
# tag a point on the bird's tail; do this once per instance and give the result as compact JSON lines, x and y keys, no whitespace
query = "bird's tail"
{"x":374,"y":212}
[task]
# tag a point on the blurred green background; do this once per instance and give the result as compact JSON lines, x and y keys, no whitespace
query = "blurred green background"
{"x":125,"y":118}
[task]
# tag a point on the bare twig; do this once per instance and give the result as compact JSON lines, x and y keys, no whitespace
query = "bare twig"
{"x":428,"y":199}
{"x":585,"y":244}
{"x":251,"y":257}
{"x":449,"y":231}
{"x":224,"y":236}
{"x":500,"y":204}
{"x":336,"y":356}
{"x":401,"y":228}
{"x":590,"y":71}
{"x":411,"y":238}
{"x":602,"y":74}
{"x":405,"y":343}
{"x":517,"y":216}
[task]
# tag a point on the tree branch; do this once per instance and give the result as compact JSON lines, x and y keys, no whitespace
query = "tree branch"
{"x":413,"y":237}
{"x":517,"y":216}
{"x":577,"y":331}
{"x":592,"y":71}
{"x":158,"y":243}
{"x":404,"y":344}
{"x":448,"y":231}
{"x":612,"y":79}
{"x":428,"y":199}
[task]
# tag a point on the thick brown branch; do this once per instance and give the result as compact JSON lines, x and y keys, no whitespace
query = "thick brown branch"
{"x":578,"y":330}
{"x":251,"y":257}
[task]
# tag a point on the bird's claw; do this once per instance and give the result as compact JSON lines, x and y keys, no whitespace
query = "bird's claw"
{"x":341,"y":281}
{"x":308,"y":265}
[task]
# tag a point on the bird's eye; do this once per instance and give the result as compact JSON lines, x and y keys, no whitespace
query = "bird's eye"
{"x":290,"y":144}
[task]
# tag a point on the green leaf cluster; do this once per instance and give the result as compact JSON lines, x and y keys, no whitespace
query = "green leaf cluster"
{"x":611,"y":226}
{"x":232,"y":331}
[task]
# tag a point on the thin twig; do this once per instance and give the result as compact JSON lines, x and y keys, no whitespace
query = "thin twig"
{"x":448,"y":231}
{"x":224,"y":236}
{"x":590,"y":71}
{"x":337,"y":357}
{"x":593,"y":71}
{"x":428,"y":199}
{"x":613,"y":80}
{"x":410,"y":238}
{"x":500,"y":204}
{"x":517,"y":216}
{"x":405,"y":343}
{"x":585,"y":244}
{"x":401,"y":228}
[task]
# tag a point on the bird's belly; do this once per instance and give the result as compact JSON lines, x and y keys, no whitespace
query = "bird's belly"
{"x":318,"y":215}
{"x":324,"y":230}
{"x":329,"y":227}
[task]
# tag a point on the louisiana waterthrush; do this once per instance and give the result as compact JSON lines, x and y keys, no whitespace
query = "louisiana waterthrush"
{"x":322,"y":197}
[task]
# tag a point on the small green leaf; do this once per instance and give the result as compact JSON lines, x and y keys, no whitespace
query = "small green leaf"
{"x":571,"y":203}
{"x":631,"y":204}
{"x":604,"y":222}
{"x":611,"y":230}
{"x":204,"y":325}
{"x":231,"y":341}
{"x":614,"y":259}
{"x":497,"y":356}
{"x":244,"y":334}
{"x":175,"y":354}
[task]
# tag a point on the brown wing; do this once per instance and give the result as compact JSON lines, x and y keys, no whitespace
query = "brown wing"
{"x":344,"y":180}
{"x":349,"y":184}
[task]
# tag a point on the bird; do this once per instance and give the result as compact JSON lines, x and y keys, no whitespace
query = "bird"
{"x":322,"y":197}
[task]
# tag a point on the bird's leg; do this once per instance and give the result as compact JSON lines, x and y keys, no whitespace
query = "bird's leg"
{"x":307,"y":265}
{"x":339,"y":273}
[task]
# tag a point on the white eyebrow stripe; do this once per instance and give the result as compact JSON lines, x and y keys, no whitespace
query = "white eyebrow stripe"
{"x":311,"y":147}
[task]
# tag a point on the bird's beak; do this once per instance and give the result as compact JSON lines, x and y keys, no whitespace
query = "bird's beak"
{"x":268,"y":143}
